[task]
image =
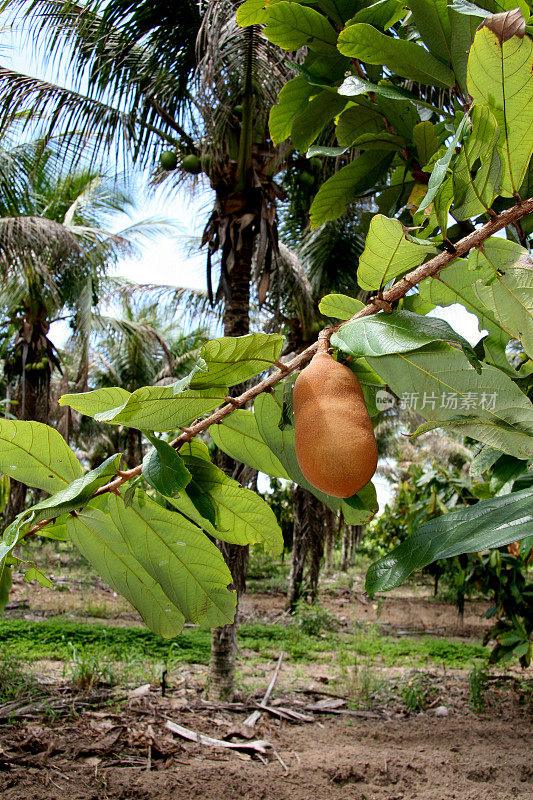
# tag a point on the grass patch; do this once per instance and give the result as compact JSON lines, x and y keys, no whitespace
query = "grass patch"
{"x":55,"y":640}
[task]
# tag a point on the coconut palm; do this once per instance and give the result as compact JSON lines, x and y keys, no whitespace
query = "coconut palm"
{"x":54,"y":255}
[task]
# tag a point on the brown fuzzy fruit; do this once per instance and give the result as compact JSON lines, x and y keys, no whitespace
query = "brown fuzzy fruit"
{"x":335,"y":443}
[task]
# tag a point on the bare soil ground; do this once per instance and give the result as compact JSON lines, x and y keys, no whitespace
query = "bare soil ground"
{"x":113,"y":745}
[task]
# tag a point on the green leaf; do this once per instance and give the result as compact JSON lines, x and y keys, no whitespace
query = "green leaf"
{"x":508,"y":293}
{"x":234,"y":359}
{"x":36,"y":455}
{"x":484,"y":460}
{"x":356,"y":120}
{"x":189,"y":568}
{"x":500,"y":77}
{"x":268,"y":410}
{"x":454,"y":285}
{"x":252,"y":12}
{"x":316,"y":115}
{"x":433,"y":23}
{"x":241,"y":516}
{"x":439,"y":384}
{"x":320,"y":150}
{"x":405,"y":58}
{"x":339,"y":306}
{"x":6,"y":581}
{"x":398,"y":332}
{"x":440,"y":168}
{"x":485,"y":525}
{"x":35,"y":574}
{"x":161,"y":408}
{"x":75,"y":495}
{"x":336,"y":194}
{"x":291,"y":26}
{"x":292,"y":101}
{"x":474,"y":195}
{"x":426,"y":141}
{"x":96,"y":402}
{"x":239,"y":437}
{"x":463,"y":30}
{"x":389,"y":252}
{"x":102,"y":544}
{"x":164,"y":469}
{"x":382,"y":14}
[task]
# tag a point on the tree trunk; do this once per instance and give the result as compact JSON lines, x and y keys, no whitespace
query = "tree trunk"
{"x":346,"y":541}
{"x":330,"y":542}
{"x":357,"y":533}
{"x":134,"y":454}
{"x":316,"y":510}
{"x":31,"y":390}
{"x":300,"y":544}
{"x":236,"y":283}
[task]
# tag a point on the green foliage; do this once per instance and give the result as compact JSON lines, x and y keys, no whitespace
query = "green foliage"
{"x":478,"y":685}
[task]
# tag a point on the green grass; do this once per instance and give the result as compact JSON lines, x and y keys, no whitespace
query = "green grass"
{"x":31,"y":641}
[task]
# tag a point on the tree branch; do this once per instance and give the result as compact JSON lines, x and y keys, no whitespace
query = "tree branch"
{"x":399,"y":290}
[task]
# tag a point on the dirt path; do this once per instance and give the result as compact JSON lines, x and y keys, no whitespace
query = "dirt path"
{"x":417,"y":758}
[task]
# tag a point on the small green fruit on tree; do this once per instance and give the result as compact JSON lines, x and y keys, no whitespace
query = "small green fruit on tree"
{"x":168,"y":160}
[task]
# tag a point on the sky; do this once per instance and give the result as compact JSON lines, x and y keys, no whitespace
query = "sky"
{"x":169,"y":258}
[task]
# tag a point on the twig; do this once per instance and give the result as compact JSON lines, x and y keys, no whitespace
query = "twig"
{"x":257,"y":747}
{"x":254,"y":716}
{"x":399,"y":290}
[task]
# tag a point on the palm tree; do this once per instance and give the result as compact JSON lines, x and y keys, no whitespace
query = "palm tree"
{"x":143,"y":346}
{"x":54,"y":254}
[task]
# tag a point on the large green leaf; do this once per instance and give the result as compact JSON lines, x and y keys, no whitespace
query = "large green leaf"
{"x":339,"y":306}
{"x":475,"y":194}
{"x":398,"y":332}
{"x":189,"y":568}
{"x":356,"y":120}
{"x":239,"y":437}
{"x":100,"y":541}
{"x":96,"y":402}
{"x":153,"y":408}
{"x":389,"y":252}
{"x":75,"y":495}
{"x":440,"y":167}
{"x":439,"y":384}
{"x":164,"y":469}
{"x":291,"y":26}
{"x":508,"y":293}
{"x":292,"y":100}
{"x":241,"y":515}
{"x":486,"y":525}
{"x":234,"y":359}
{"x":454,"y":285}
{"x":268,"y":410}
{"x":431,"y":19}
{"x":336,"y":194}
{"x":500,"y":77}
{"x":405,"y":58}
{"x":317,"y":113}
{"x":426,"y":140}
{"x":463,"y":30}
{"x":382,"y":13}
{"x":36,"y":455}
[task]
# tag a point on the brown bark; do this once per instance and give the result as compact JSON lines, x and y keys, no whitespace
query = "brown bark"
{"x":221,"y":680}
{"x":345,"y":554}
{"x":31,"y":391}
{"x":300,"y":545}
{"x":329,"y":542}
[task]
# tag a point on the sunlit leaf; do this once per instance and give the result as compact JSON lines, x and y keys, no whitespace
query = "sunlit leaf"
{"x":389,"y":252}
{"x":339,"y":306}
{"x":99,"y":540}
{"x":235,"y":359}
{"x":178,"y":555}
{"x":37,"y":455}
{"x":239,"y":437}
{"x":291,"y":26}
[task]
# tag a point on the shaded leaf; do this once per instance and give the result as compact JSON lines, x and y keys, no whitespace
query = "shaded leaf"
{"x":239,"y":437}
{"x":292,"y":100}
{"x":485,"y":525}
{"x":164,"y":469}
{"x":291,"y":26}
{"x":408,"y":59}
